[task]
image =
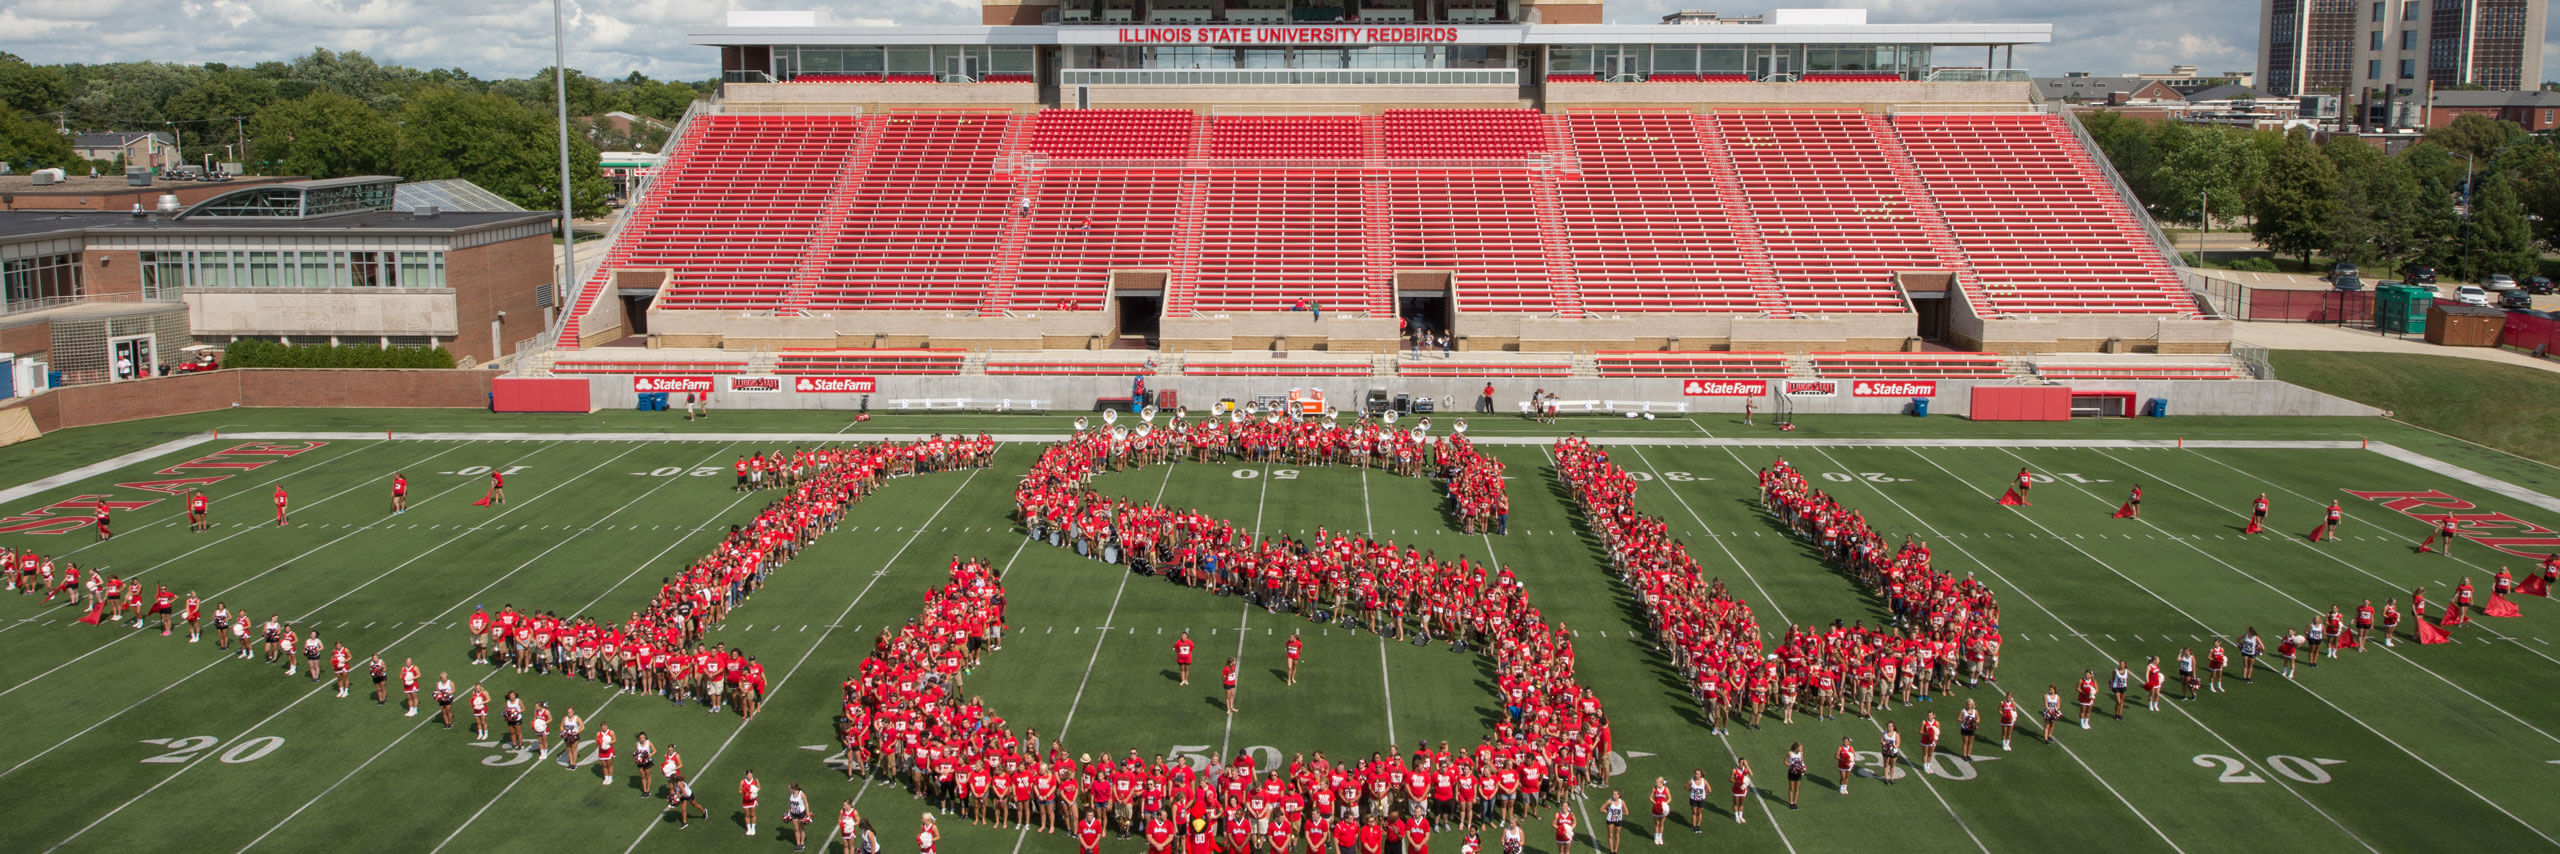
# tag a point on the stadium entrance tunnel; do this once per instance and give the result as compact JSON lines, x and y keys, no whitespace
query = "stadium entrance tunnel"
{"x":1425,"y":313}
{"x":1140,"y":316}
{"x":636,"y":308}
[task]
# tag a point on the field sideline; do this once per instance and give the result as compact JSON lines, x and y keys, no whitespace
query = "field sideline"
{"x":126,"y":734}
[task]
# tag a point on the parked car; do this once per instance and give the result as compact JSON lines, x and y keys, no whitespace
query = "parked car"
{"x":2500,"y":282}
{"x":2422,"y":275}
{"x":2433,"y":293}
{"x":2515,"y":299}
{"x":2539,"y":285}
{"x":2471,"y":295}
{"x":2347,"y":283}
{"x":2343,"y":270}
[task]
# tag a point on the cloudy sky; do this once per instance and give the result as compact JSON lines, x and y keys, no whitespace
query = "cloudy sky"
{"x":510,"y":38}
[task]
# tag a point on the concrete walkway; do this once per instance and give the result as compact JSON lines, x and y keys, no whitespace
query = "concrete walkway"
{"x":2314,"y":336}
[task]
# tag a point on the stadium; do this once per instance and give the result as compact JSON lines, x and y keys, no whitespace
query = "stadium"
{"x":1265,"y":427}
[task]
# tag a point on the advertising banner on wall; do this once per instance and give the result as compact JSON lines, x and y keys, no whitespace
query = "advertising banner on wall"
{"x":834,"y":385}
{"x":1813,"y":388}
{"x":756,"y":385}
{"x":1893,"y":388}
{"x":648,"y":384}
{"x":1725,"y":388}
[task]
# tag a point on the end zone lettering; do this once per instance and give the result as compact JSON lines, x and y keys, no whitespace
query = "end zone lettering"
{"x":645,"y":385}
{"x":1875,"y":388}
{"x":834,"y":385}
{"x":1725,"y":388}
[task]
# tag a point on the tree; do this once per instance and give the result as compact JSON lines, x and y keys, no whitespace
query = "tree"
{"x":2356,"y":221}
{"x":35,"y":144}
{"x":325,"y":135}
{"x":497,"y":143}
{"x":2501,"y":242}
{"x":2204,"y":173}
{"x":2295,"y":200}
{"x":30,"y":88}
{"x":2476,"y":135}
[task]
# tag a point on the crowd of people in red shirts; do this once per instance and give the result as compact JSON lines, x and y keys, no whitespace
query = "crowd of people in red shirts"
{"x":907,"y":720}
{"x":659,"y":649}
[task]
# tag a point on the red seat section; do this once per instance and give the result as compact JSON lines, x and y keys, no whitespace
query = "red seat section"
{"x":929,"y":362}
{"x":1823,"y":193}
{"x":1691,"y":364}
{"x":1685,"y":77}
{"x":733,"y":214}
{"x":1646,"y":219}
{"x":1113,"y":134}
{"x":1479,"y":225}
{"x":1087,"y":223}
{"x":2040,"y":224}
{"x":1463,"y":134}
{"x":1910,"y":366}
{"x":617,"y":366}
{"x":922,"y":225}
{"x":1851,"y":77}
{"x":1285,"y":138}
{"x":1272,"y":237}
{"x":837,"y":77}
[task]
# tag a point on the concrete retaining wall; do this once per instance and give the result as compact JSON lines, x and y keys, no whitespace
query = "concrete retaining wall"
{"x":2187,"y":397}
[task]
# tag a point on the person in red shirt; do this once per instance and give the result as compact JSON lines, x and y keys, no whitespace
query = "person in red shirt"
{"x":1089,"y":833}
{"x":1182,"y":657}
{"x":1228,"y":677}
{"x":165,"y":604}
{"x":1564,"y":830}
{"x":1160,"y":835}
{"x":1296,"y":644}
{"x":280,"y":504}
{"x":1741,"y":786}
{"x":101,"y":518}
{"x":399,"y":493}
{"x":196,"y":506}
{"x":497,"y":493}
{"x":748,"y":788}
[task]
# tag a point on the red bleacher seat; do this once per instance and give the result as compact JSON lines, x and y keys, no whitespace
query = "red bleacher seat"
{"x":1850,"y":77}
{"x":1691,"y":364}
{"x":1648,"y":231}
{"x":1274,"y":237}
{"x":1292,"y":368}
{"x":1463,"y":134}
{"x":1910,"y":366}
{"x":1113,"y":134}
{"x":929,"y":362}
{"x":1478,"y":224}
{"x":618,"y":366}
{"x":733,"y":213}
{"x":1482,"y":369}
{"x":1087,"y":223}
{"x":2040,"y":225}
{"x":1828,"y":206}
{"x":1285,"y":138}
{"x":836,"y":77}
{"x":922,"y":225}
{"x":1036,"y":368}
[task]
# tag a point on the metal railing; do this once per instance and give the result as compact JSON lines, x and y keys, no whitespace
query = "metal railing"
{"x":1288,"y":76}
{"x":2097,"y":155}
{"x":640,"y":192}
{"x":1977,"y":75}
{"x":2255,"y":359}
{"x":23,"y":306}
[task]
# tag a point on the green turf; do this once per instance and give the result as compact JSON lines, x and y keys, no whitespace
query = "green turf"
{"x":2509,"y":407}
{"x":2441,"y":747}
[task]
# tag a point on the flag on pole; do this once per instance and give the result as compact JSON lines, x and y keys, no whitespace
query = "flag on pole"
{"x":2123,"y":511}
{"x":2499,"y":606}
{"x":2011,"y":498}
{"x":2429,"y":633}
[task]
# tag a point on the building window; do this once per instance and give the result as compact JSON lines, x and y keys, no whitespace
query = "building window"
{"x":2408,"y":69}
{"x":2373,"y":40}
{"x":2377,"y":11}
{"x":2373,"y":69}
{"x":2409,"y":10}
{"x":37,"y":282}
{"x":2408,"y":39}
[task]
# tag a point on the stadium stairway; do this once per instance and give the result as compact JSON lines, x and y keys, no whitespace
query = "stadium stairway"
{"x":636,"y":220}
{"x":831,"y":221}
{"x":1746,"y":227}
{"x":1549,"y":207}
{"x":1377,"y":246}
{"x":1191,"y":221}
{"x":1017,"y":234}
{"x":1915,"y":194}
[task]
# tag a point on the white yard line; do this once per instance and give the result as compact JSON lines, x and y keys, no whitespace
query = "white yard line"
{"x":102,"y":467}
{"x":832,"y":626}
{"x":318,"y":687}
{"x":1770,"y":815}
{"x":1245,"y":620}
{"x":1921,"y":774}
{"x":2324,"y":700}
{"x":2395,"y":653}
{"x":1386,"y":680}
{"x":216,"y":595}
{"x":1108,"y":624}
{"x":597,"y":712}
{"x":252,"y":489}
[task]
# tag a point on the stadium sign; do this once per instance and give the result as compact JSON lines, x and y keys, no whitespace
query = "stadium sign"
{"x":1813,"y":388}
{"x":1286,"y":35}
{"x":834,"y":385}
{"x":1725,"y":388}
{"x":1881,"y":388}
{"x":647,"y":385}
{"x":757,"y":385}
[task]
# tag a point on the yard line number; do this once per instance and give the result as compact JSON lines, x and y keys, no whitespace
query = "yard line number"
{"x":678,"y":471}
{"x":1265,"y":757}
{"x":476,"y":471}
{"x":187,"y":749}
{"x":1946,"y":764}
{"x":2074,"y":477}
{"x":2295,"y":768}
{"x":1276,"y":474}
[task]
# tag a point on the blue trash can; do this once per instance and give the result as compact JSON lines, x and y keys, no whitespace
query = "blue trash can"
{"x":2158,"y":407}
{"x":1920,"y":407}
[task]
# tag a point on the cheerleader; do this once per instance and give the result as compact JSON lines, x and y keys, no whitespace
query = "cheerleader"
{"x":2052,"y":710}
{"x":1967,"y":721}
{"x":797,"y":815}
{"x":642,"y":751}
{"x":1795,"y":778}
{"x":2187,"y":672}
{"x":512,"y":710}
{"x":1614,"y":814}
{"x":1697,"y":800}
{"x":1661,"y":807}
{"x":1889,"y":747}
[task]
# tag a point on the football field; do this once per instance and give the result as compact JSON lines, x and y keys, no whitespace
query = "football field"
{"x":121,"y":738}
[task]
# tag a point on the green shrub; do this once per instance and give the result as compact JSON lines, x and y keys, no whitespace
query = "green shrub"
{"x":268,"y":354}
{"x":2255,"y":264}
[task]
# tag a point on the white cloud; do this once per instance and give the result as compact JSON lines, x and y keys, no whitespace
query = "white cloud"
{"x":511,"y":38}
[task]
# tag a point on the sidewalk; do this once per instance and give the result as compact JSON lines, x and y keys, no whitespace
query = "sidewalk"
{"x":2313,"y":336}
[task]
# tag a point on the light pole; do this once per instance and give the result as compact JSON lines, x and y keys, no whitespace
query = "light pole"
{"x":560,"y":92}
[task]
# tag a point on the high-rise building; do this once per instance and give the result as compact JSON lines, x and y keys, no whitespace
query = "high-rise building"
{"x":2397,"y":47}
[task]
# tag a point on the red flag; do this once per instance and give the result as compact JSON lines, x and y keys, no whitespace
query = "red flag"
{"x":2123,"y":511}
{"x":2534,"y":585}
{"x":2010,"y":499}
{"x":2498,"y":606}
{"x":2427,"y":545}
{"x":2428,"y":633}
{"x":2254,"y":527}
{"x":2320,"y":532}
{"x":2454,"y":617}
{"x":95,"y":612}
{"x":2350,"y":640}
{"x":483,"y":502}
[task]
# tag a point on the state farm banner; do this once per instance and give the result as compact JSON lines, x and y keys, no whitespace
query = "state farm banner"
{"x":1725,"y":388}
{"x":1812,"y":388}
{"x":648,"y":384}
{"x":756,"y":385}
{"x":834,"y":385}
{"x":1893,"y":388}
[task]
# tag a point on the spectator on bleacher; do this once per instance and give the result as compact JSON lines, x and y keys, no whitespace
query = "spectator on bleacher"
{"x":1317,"y":307}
